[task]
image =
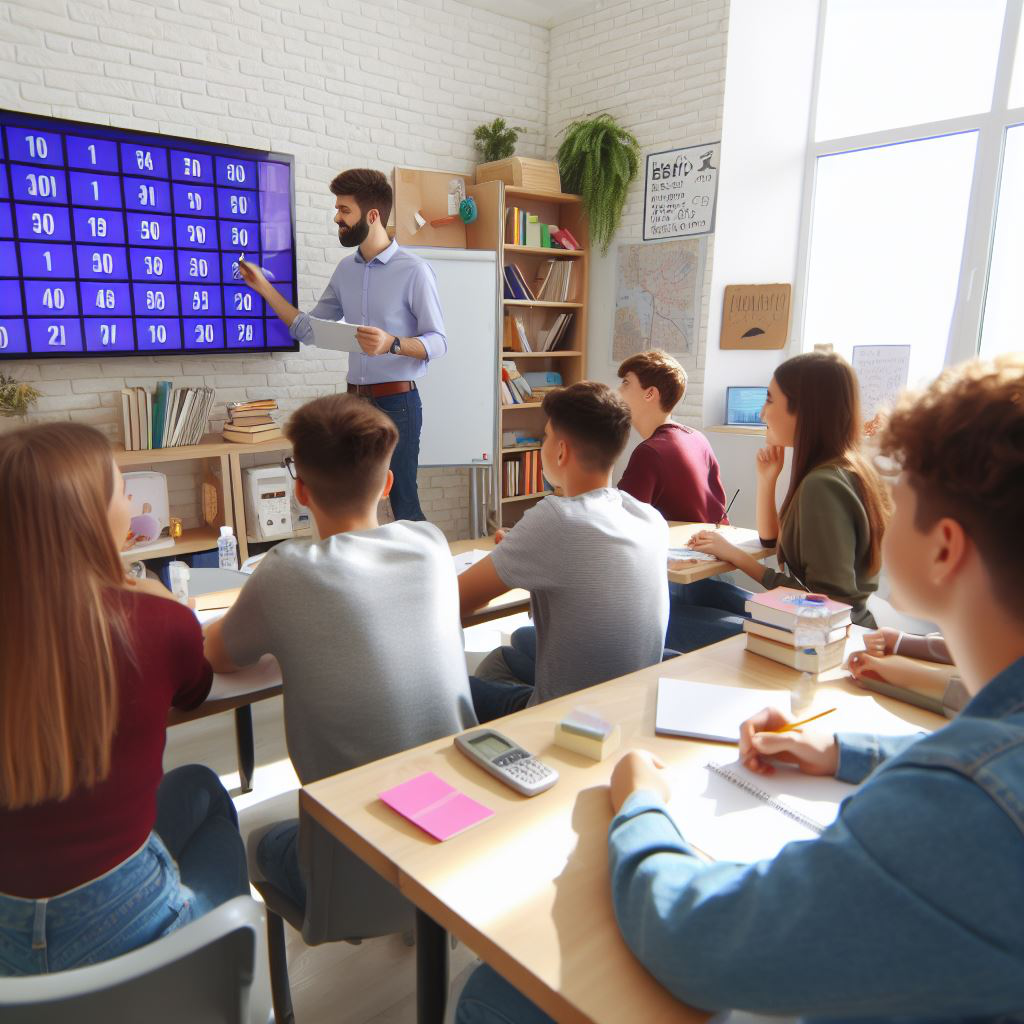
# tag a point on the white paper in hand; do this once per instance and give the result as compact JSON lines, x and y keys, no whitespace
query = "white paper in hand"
{"x":335,"y":334}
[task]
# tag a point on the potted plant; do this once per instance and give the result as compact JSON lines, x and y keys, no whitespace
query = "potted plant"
{"x":599,"y":159}
{"x":495,"y":143}
{"x":16,"y":398}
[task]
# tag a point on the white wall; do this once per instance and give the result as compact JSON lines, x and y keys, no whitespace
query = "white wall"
{"x":660,"y":69}
{"x":338,"y":84}
{"x":764,"y":138}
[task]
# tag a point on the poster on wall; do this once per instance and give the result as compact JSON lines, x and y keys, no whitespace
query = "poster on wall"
{"x":680,"y":190}
{"x":882,"y":372}
{"x":658,"y":298}
{"x":755,"y":316}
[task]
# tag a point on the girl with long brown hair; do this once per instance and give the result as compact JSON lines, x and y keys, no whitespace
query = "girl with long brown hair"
{"x":828,"y":531}
{"x":91,"y":662}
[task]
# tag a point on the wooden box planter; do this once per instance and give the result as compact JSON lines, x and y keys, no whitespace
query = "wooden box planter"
{"x":535,"y":175}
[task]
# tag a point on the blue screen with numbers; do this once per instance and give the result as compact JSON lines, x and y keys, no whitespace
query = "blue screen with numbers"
{"x":117,"y":242}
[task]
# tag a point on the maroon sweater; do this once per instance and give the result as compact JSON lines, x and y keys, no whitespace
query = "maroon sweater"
{"x":55,"y":846}
{"x":676,"y":471}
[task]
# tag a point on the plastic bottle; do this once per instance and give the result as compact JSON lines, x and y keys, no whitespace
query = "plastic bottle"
{"x":811,"y":636}
{"x":179,"y":574}
{"x":227,"y":549}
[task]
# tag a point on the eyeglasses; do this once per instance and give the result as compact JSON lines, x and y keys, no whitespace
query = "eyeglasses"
{"x":289,"y":463}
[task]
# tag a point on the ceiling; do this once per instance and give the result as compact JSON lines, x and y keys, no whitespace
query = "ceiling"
{"x":537,"y":12}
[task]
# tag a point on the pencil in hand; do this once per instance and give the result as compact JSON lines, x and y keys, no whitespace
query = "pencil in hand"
{"x":803,"y":721}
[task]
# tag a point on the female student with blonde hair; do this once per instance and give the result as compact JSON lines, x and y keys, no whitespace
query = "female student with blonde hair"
{"x":829,"y":529}
{"x":92,"y":839}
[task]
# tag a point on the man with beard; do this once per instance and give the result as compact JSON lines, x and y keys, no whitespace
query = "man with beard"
{"x":394,"y":294}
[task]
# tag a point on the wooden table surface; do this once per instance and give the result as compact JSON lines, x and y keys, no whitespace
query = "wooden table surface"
{"x":528,"y":889}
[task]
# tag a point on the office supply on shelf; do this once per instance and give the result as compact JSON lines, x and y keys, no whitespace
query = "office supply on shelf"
{"x":705,"y":711}
{"x":434,"y":806}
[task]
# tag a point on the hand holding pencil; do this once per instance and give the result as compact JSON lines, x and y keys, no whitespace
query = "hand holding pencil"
{"x":771,"y":734}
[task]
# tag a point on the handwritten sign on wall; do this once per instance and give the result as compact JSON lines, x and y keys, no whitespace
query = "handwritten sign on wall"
{"x":882,"y":371}
{"x":755,"y":316}
{"x":680,"y":189}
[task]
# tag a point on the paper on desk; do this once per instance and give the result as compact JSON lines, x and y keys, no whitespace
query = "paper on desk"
{"x":689,"y":555}
{"x":335,"y":334}
{"x":467,"y":558}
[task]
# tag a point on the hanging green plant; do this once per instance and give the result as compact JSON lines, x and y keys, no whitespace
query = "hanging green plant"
{"x":598,"y":159}
{"x":15,"y":397}
{"x":496,"y":141}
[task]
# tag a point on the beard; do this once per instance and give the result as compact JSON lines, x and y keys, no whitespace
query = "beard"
{"x":355,"y":235}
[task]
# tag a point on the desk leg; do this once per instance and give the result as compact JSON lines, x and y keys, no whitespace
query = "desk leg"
{"x":246,"y":746}
{"x":431,"y":970}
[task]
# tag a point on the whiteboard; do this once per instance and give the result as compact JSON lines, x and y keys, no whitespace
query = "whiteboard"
{"x":460,"y":390}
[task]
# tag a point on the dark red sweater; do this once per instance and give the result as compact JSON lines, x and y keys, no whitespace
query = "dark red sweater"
{"x":676,"y":471}
{"x":55,"y":846}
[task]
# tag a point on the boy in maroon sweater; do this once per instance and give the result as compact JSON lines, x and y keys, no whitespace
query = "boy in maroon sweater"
{"x":673,"y":468}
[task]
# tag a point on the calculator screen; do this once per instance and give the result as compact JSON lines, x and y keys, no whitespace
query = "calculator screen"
{"x":119,"y":242}
{"x":490,"y":746}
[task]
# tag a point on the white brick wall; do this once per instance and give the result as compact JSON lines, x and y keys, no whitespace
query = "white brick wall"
{"x":338,"y":84}
{"x":660,"y":69}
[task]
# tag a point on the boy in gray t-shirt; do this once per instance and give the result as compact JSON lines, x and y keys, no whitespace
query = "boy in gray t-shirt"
{"x":594,"y":560}
{"x":364,"y":623}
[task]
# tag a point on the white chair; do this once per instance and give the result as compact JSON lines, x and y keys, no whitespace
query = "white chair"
{"x":211,"y":971}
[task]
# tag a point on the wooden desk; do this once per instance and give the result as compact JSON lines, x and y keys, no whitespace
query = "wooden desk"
{"x":505,"y":604}
{"x":679,"y":535}
{"x":528,"y":890}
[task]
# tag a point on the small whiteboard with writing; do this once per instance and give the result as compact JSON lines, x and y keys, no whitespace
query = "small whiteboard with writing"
{"x":882,"y":372}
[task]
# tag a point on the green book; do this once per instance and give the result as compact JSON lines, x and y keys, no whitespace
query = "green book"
{"x":163,"y":389}
{"x":545,"y":236}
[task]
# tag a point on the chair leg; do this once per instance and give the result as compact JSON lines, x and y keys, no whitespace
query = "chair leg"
{"x":280,"y":990}
{"x":246,"y":746}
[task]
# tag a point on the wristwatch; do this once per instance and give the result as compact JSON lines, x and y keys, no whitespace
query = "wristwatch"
{"x":396,"y":346}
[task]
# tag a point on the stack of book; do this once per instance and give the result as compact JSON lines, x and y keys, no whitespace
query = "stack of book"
{"x":522,"y":475}
{"x":525,"y":228}
{"x":551,"y":339}
{"x":771,"y":631}
{"x":251,"y":422}
{"x":169,"y":419}
{"x":516,"y":287}
{"x":515,"y":390}
{"x":555,"y":281}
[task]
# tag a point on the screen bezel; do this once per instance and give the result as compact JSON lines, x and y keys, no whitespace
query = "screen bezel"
{"x":22,"y":119}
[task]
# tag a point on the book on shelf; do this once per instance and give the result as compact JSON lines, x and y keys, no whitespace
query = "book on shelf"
{"x":781,"y":606}
{"x":552,"y":338}
{"x":515,"y":286}
{"x":244,"y":415}
{"x":239,"y":435}
{"x":533,"y":230}
{"x":555,"y":281}
{"x":514,"y":338}
{"x":565,"y":239}
{"x":170,"y":418}
{"x":828,"y":657}
{"x":522,"y":475}
{"x":512,"y":438}
{"x":521,"y":384}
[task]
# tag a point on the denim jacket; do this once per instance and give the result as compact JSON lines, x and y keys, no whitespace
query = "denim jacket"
{"x":910,"y":906}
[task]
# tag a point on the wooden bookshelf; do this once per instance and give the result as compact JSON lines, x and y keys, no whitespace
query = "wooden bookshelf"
{"x":538,"y":316}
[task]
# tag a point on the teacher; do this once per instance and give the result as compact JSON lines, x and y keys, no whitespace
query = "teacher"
{"x":394,"y":295}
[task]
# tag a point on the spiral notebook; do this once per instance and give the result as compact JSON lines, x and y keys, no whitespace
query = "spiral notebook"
{"x":729,"y":813}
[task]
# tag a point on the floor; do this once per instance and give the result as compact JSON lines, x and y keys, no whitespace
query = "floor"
{"x":373,"y":983}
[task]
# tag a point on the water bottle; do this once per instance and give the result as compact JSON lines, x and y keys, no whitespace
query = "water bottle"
{"x":227,"y":549}
{"x":178,"y":573}
{"x":811,"y":636}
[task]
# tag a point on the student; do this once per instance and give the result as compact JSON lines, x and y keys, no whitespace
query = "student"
{"x":364,"y":622}
{"x":594,"y":560}
{"x":909,"y":905}
{"x":101,"y":852}
{"x":911,"y":668}
{"x":829,"y":529}
{"x":673,"y":468}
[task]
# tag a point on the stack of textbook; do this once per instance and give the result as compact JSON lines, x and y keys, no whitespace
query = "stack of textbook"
{"x":251,"y":422}
{"x":169,"y":418}
{"x":771,"y":631}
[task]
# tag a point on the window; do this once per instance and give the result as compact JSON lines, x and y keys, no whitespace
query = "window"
{"x":913,"y":231}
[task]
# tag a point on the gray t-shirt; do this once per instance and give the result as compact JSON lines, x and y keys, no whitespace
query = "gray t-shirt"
{"x":596,"y":566}
{"x":366,"y":629}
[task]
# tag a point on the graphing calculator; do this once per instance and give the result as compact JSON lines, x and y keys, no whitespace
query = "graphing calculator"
{"x":505,"y":760}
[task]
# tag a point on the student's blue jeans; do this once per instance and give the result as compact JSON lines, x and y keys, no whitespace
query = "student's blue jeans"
{"x":277,"y":858}
{"x":489,"y":999}
{"x":406,"y":411}
{"x":703,"y":613}
{"x":143,"y":898}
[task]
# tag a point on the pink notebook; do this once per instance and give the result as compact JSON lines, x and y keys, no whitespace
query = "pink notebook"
{"x":437,"y":808}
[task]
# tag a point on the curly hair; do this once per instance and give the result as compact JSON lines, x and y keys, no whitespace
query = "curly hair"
{"x":960,"y":443}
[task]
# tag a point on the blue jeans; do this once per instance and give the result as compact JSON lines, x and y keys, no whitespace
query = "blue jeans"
{"x":277,"y":858}
{"x":704,"y":612}
{"x":493,"y":699}
{"x":489,"y":999}
{"x":143,"y":898}
{"x":521,"y":654}
{"x":406,"y":411}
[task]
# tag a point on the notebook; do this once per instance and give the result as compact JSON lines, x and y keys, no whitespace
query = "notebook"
{"x":466,"y":559}
{"x":434,"y":806}
{"x":729,"y":813}
{"x":704,"y":711}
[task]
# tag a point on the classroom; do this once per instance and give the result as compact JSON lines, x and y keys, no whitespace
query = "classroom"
{"x":508,"y":512}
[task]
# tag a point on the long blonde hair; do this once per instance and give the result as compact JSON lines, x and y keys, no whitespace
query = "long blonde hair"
{"x":59,"y":632}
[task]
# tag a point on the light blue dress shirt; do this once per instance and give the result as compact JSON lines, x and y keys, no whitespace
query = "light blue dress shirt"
{"x":397,"y":292}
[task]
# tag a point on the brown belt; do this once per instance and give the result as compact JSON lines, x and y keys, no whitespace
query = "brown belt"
{"x":390,"y":387}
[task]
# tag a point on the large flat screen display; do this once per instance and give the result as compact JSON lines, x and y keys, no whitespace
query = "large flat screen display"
{"x":117,"y":242}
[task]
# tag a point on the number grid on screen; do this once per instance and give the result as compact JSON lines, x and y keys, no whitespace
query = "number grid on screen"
{"x":100,"y":255}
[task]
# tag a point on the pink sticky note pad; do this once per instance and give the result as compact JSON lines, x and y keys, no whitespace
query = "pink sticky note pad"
{"x":437,"y":808}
